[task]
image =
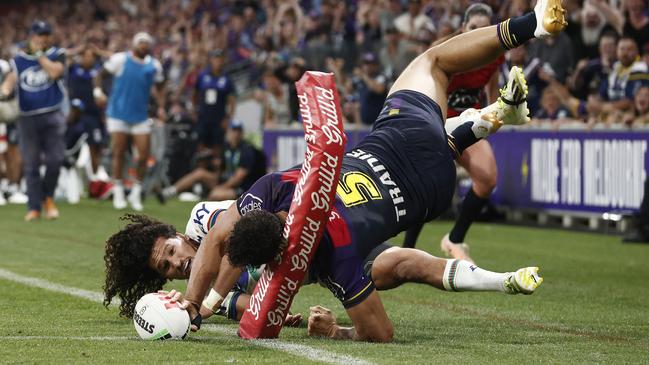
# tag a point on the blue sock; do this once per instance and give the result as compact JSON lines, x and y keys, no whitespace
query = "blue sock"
{"x":461,"y":138}
{"x":515,"y":31}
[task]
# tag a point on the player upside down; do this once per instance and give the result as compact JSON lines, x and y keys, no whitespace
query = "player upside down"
{"x":401,"y":174}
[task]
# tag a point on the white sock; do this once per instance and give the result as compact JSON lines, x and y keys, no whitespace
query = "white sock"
{"x":136,"y":190}
{"x":460,"y":275}
{"x":169,"y":191}
{"x":481,"y":128}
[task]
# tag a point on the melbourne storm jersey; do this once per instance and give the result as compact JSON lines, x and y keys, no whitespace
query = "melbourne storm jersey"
{"x":369,"y":208}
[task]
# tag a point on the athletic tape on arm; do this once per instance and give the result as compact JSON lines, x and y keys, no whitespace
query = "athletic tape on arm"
{"x":312,"y":202}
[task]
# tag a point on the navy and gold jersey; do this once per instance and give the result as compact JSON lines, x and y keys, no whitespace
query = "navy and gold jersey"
{"x":399,"y":175}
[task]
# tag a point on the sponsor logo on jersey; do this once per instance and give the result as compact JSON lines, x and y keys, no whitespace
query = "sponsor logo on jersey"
{"x":249,"y":203}
{"x":198,"y":217}
{"x":35,"y":79}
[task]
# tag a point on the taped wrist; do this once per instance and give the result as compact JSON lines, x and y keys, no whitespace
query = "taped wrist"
{"x":212,"y":300}
{"x":228,"y":307}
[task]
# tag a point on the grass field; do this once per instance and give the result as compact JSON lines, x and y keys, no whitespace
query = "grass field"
{"x":592,"y":308}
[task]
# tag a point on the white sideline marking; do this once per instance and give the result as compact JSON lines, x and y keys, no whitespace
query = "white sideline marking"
{"x":303,"y":351}
{"x":294,"y":348}
{"x":79,"y":338}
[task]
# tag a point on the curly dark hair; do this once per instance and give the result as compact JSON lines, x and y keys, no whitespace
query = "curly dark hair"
{"x":128,"y":274}
{"x":255,"y":239}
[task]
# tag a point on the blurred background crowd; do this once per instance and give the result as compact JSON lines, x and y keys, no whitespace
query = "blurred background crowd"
{"x":217,"y":58}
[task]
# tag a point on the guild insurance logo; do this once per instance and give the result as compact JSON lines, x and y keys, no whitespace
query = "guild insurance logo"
{"x":35,"y":79}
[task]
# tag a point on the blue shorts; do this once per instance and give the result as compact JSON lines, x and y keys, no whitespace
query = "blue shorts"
{"x":409,"y":138}
{"x":95,"y":129}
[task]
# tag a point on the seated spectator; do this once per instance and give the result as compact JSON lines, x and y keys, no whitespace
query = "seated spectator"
{"x":206,"y":173}
{"x":551,"y":108}
{"x":240,"y":166}
{"x":639,"y":116}
{"x":225,"y":176}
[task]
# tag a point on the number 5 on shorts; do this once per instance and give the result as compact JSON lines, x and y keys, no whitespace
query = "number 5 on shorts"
{"x":357,"y":188}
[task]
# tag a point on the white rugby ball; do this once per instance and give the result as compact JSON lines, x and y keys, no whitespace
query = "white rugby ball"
{"x":156,"y":318}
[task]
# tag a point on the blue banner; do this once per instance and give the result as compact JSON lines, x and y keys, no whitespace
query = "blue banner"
{"x":598,"y":171}
{"x":594,"y":172}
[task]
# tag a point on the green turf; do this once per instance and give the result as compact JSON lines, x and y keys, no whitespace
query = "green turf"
{"x":592,"y":308}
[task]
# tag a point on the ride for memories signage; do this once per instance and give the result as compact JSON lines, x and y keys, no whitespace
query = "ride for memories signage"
{"x":596,"y":171}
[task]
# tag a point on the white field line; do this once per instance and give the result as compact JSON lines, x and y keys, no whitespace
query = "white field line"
{"x":67,"y":338}
{"x":303,"y":351}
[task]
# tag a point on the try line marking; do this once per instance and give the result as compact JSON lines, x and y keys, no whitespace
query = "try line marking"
{"x":295,"y":349}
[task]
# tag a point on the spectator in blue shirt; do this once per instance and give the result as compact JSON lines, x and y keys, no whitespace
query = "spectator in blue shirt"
{"x":215,"y":97}
{"x":372,"y":88}
{"x":37,"y":75}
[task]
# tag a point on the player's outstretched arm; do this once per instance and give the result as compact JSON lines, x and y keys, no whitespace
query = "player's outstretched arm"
{"x":207,"y":262}
{"x":371,"y":323}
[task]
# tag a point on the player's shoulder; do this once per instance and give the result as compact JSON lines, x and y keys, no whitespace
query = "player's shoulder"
{"x":203,"y":216}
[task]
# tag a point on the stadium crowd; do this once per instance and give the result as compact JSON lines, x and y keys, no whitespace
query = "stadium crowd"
{"x":214,"y":54}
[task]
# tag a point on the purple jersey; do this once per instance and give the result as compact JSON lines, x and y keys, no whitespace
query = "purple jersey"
{"x":399,"y":175}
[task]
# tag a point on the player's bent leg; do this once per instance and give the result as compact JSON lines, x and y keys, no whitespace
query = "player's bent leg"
{"x":396,"y":266}
{"x":429,"y":73}
{"x":480,"y":163}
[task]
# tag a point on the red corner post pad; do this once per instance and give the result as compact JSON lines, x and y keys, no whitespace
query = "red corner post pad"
{"x":312,"y":202}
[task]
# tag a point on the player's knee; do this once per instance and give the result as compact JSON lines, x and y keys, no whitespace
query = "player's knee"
{"x":485,"y":185}
{"x":386,"y":334}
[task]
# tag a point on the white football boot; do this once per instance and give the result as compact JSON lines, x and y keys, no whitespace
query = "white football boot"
{"x":510,"y":108}
{"x":523,"y":281}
